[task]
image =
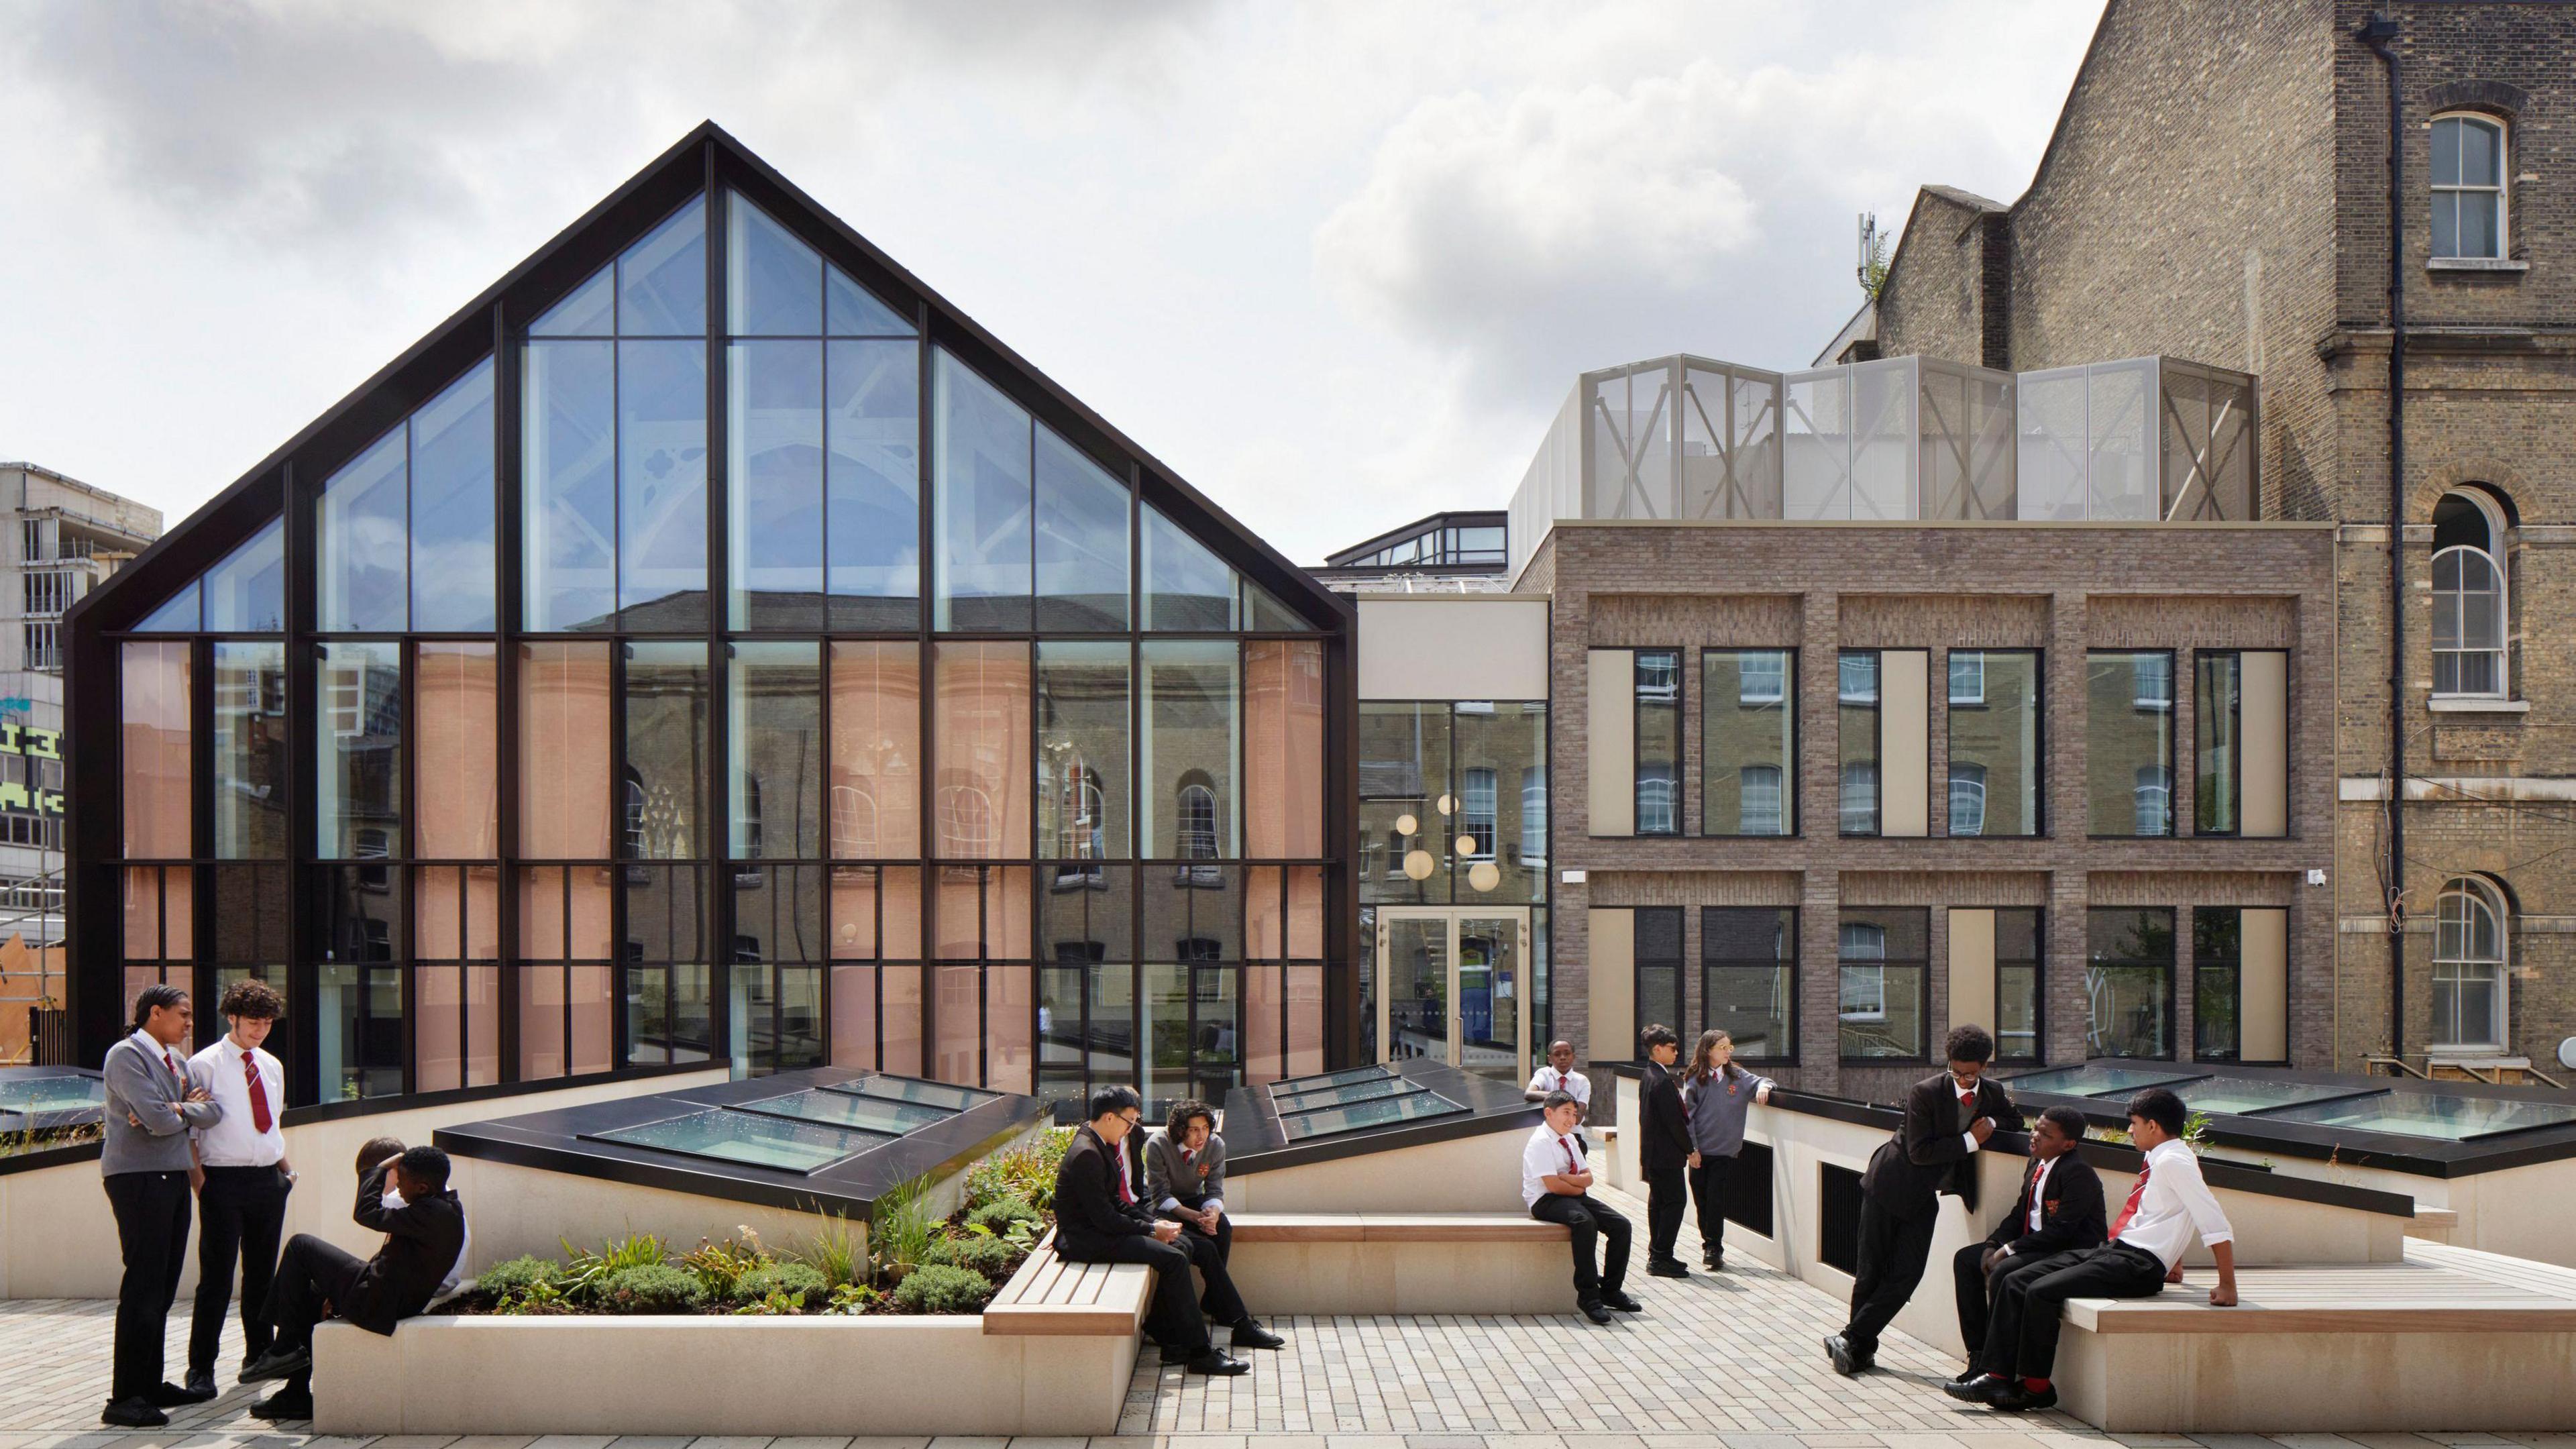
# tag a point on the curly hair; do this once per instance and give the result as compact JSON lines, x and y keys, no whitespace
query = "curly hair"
{"x":1178,"y":1122}
{"x":253,"y":998}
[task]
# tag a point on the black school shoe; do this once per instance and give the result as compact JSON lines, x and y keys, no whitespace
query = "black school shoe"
{"x":1975,"y":1388}
{"x":277,"y":1363}
{"x":284,"y":1404}
{"x":1669,"y":1268}
{"x":201,"y":1385}
{"x":1623,"y":1302}
{"x":1218,"y":1363}
{"x":167,"y":1395}
{"x":1597,"y":1312}
{"x":136,"y":1412}
{"x":1250,"y":1334}
{"x":2014,"y":1398}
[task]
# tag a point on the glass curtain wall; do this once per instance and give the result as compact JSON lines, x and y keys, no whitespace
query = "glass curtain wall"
{"x":924,"y":744}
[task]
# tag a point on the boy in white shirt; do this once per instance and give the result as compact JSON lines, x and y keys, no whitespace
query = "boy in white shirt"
{"x":1556,"y":1184}
{"x":2168,"y":1204}
{"x":1559,"y":1075}
{"x":241,"y":1177}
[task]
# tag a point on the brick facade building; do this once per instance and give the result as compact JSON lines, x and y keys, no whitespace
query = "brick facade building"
{"x":2217,"y":188}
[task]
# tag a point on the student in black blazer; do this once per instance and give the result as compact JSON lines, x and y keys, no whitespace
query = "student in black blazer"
{"x":2068,"y":1201}
{"x":1948,"y":1117}
{"x":1663,"y":1150}
{"x":1101,"y":1217}
{"x":316,"y":1278}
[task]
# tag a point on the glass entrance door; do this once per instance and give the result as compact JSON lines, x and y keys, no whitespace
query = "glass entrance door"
{"x":1457,"y":988}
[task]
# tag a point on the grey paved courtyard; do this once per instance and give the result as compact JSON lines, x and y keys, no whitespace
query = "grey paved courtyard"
{"x":1729,"y":1359}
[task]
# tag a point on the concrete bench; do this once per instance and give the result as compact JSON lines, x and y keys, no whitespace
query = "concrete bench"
{"x":2448,"y":1338}
{"x":1050,"y":1297}
{"x":1369,"y":1263}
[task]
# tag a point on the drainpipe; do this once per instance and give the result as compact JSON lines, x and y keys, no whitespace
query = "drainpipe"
{"x":2376,"y":33}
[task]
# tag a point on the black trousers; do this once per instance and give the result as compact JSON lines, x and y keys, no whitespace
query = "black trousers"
{"x":152,"y":1232}
{"x":1220,"y":1302}
{"x":1174,"y":1320}
{"x":312,"y":1277}
{"x":2022,"y":1341}
{"x":1588,"y":1218}
{"x":239,"y":1216}
{"x":1893,"y":1251}
{"x":1974,"y":1289}
{"x":1708,"y":1194}
{"x":1666,"y":1195}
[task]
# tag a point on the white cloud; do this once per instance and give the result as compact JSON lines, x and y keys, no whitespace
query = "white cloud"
{"x":1335,"y":262}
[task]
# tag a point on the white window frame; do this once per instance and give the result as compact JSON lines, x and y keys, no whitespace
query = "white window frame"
{"x":2494,"y":554}
{"x":2160,"y":789}
{"x":2502,"y":190}
{"x":1974,"y":663}
{"x":1760,"y":800}
{"x":1761,"y":676}
{"x":1860,"y":942}
{"x":2467,"y":896}
{"x":1971,"y":789}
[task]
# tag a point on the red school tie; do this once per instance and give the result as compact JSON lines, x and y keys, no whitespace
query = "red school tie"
{"x":1126,"y":1194}
{"x":174,"y":1066}
{"x":259,"y":1117}
{"x":1571,"y":1166}
{"x":2131,"y":1210}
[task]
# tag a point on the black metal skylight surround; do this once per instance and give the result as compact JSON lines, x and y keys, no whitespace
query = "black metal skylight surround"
{"x":1298,"y":1086}
{"x":1332,"y":1096}
{"x":1358,"y":1116}
{"x":806,"y":1130}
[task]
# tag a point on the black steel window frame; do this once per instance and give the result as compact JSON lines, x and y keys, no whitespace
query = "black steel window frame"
{"x":2200,"y":704}
{"x":2170,"y":966}
{"x":1669,"y":967}
{"x":1922,"y":968}
{"x":1791,"y":822}
{"x":2173,"y":758}
{"x":1710,"y":964}
{"x":2037,"y":961}
{"x":705,"y":164}
{"x":1877,"y":708}
{"x":2039,"y":742}
{"x":1637,"y":732}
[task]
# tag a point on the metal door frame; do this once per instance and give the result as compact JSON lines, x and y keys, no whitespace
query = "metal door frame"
{"x":1452,"y":917}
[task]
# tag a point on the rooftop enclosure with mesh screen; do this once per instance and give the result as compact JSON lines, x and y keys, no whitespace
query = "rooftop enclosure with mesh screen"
{"x":1691,"y":439}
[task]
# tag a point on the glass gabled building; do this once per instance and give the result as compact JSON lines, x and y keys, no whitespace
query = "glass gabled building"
{"x":711,"y":646}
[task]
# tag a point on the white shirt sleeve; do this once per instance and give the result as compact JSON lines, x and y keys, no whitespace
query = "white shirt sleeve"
{"x":1539,"y":1160}
{"x":2182,"y":1171}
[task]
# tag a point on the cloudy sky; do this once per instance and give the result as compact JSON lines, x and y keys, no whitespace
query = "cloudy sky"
{"x":1335,"y":262}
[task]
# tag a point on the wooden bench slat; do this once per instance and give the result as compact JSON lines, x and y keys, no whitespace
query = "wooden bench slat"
{"x":1049,"y":1297}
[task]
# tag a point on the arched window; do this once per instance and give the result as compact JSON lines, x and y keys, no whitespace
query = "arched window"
{"x":1967,"y":797}
{"x":854,"y":823}
{"x":1195,"y":812}
{"x":2469,"y":944}
{"x":2153,"y":797}
{"x":2468,"y":595}
{"x":1758,"y":803}
{"x":2468,"y":187}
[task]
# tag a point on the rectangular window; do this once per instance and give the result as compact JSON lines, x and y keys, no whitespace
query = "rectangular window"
{"x":2128,"y":982}
{"x":1502,"y":789}
{"x":2217,"y":734}
{"x":358,"y":800}
{"x":250,"y":751}
{"x":2019,"y":946}
{"x":1283,"y":703}
{"x":1749,"y":978}
{"x":1856,"y":692}
{"x":1995,"y":763}
{"x":662,"y":801}
{"x":1659,"y":975}
{"x":775,"y":732}
{"x":1193,"y":751}
{"x":44,"y":646}
{"x":1884,"y":969}
{"x":1659,"y":741}
{"x":2129,"y":743}
{"x":563,"y":751}
{"x":980,"y":502}
{"x":876,"y":751}
{"x":2217,"y":984}
{"x":1085,"y":731}
{"x":1748,"y":741}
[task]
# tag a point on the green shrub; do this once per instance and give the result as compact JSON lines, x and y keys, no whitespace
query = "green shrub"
{"x":941,"y":1288}
{"x":719,"y":1266}
{"x":587,"y":1274}
{"x":804,"y":1284}
{"x":518,"y":1276}
{"x":652,"y":1288}
{"x":1026,"y":1173}
{"x":996,"y":1217}
{"x":991,"y":1257}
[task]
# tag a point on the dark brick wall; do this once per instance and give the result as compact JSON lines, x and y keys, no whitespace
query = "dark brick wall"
{"x":1938,"y":299}
{"x":2060,"y":588}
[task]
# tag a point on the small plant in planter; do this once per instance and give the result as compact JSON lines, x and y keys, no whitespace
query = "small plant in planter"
{"x":941,"y":1288}
{"x":795,"y":1284}
{"x":719,"y":1266}
{"x":900,"y":1229}
{"x":998,"y":1216}
{"x":652,"y":1288}
{"x":990,"y":1256}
